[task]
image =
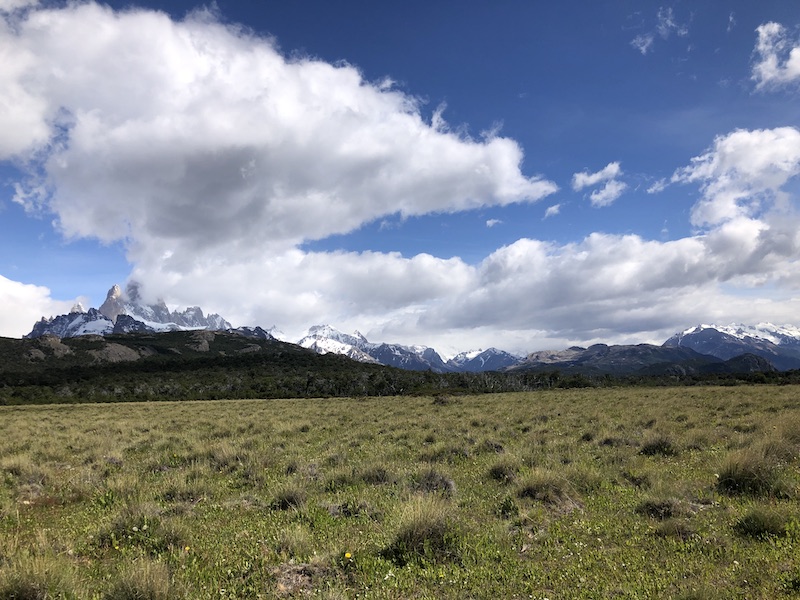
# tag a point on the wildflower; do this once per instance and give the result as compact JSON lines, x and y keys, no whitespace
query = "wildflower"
{"x":186,"y":548}
{"x":348,"y":556}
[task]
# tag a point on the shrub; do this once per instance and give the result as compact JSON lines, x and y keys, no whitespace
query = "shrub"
{"x":427,"y":531}
{"x":659,"y":445}
{"x":432,"y":481}
{"x":40,"y":578}
{"x":762,"y":523}
{"x":291,"y":496}
{"x":143,"y":580}
{"x":377,"y":474}
{"x":658,"y":509}
{"x":749,"y":472}
{"x":675,"y":528}
{"x":504,"y":470}
{"x":550,"y":489}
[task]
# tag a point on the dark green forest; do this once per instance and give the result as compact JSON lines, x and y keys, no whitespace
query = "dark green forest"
{"x":206,"y":366}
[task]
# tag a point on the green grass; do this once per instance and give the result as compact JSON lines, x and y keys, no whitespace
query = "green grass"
{"x":585,"y":493}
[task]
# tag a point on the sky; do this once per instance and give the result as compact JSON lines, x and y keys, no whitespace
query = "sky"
{"x":516,"y":174}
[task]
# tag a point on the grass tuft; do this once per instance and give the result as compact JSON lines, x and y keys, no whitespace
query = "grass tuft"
{"x":762,"y":523}
{"x":289,"y":497}
{"x":549,"y":488}
{"x":659,"y":445}
{"x":434,"y":482}
{"x":504,"y":470}
{"x":142,"y":580}
{"x":749,"y":472}
{"x":427,"y":532}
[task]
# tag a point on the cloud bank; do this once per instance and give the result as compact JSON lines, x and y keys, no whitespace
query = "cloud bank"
{"x":214,"y":157}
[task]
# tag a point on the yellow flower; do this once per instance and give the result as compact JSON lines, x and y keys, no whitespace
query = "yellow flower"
{"x":347,"y":555}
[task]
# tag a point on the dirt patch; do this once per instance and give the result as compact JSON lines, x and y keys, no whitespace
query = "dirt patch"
{"x":297,"y":579}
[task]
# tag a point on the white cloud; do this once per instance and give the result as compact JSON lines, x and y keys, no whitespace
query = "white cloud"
{"x":12,"y":5}
{"x":585,"y":179}
{"x":552,"y":211}
{"x":743,"y":174}
{"x":179,"y":136}
{"x":215,"y":157}
{"x":643,"y":43}
{"x":777,"y":58}
{"x":24,"y":304}
{"x":667,"y":24}
{"x":657,"y":186}
{"x":493,"y":222}
{"x":606,"y":195}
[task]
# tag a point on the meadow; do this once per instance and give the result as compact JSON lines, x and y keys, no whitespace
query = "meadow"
{"x":570,"y":493}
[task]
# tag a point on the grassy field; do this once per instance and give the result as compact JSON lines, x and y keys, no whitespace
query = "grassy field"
{"x":610,"y":493}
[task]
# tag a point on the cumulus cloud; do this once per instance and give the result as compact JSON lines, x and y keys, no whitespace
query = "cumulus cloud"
{"x":12,"y":5}
{"x":777,"y":58}
{"x":585,"y":179}
{"x":24,"y":304}
{"x":215,"y":157}
{"x":743,"y":174}
{"x":493,"y":222}
{"x":606,"y":195}
{"x":611,"y":190}
{"x":179,"y":136}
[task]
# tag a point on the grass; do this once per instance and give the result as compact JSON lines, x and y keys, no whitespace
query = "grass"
{"x":591,"y":493}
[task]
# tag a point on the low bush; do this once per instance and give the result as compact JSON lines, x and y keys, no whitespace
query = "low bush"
{"x":427,"y":532}
{"x":142,"y":580}
{"x":659,"y":445}
{"x":434,"y":482}
{"x":762,"y":522}
{"x":749,"y":472}
{"x":549,"y":488}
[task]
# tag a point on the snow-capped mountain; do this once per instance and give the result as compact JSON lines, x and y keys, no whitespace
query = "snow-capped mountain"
{"x":125,"y":313}
{"x":491,"y":359}
{"x":778,"y":344}
{"x":157,"y":316}
{"x":324,"y":339}
{"x":76,"y":323}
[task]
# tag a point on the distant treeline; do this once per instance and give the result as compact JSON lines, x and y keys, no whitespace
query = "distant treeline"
{"x":287,"y":374}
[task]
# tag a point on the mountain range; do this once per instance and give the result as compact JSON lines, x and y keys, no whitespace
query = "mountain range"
{"x":700,"y":349}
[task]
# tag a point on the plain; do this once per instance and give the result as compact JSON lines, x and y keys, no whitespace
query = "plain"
{"x":583,"y":493}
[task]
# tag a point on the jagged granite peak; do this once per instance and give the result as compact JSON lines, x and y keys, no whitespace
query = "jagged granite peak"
{"x":124,"y":312}
{"x":157,"y":316}
{"x":113,"y":305}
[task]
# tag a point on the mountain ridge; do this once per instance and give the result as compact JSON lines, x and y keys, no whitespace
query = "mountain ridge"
{"x":125,"y":312}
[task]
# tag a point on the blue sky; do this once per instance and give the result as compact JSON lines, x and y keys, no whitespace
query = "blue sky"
{"x":461,"y":175}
